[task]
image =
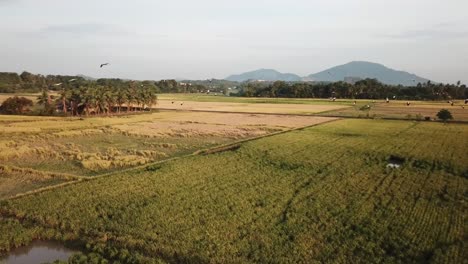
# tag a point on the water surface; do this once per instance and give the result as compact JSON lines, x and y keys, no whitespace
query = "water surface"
{"x":38,"y":252}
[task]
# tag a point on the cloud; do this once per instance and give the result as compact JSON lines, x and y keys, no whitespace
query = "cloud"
{"x":7,"y":2}
{"x":428,"y":34}
{"x":84,"y":29}
{"x":440,"y":31}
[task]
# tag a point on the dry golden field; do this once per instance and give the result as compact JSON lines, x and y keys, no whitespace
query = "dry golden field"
{"x":249,"y":107}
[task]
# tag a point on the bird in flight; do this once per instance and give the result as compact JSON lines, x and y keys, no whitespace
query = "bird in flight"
{"x":104,"y":64}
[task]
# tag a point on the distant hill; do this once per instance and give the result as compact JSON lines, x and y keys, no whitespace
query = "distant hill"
{"x":363,"y":69}
{"x":265,"y":75}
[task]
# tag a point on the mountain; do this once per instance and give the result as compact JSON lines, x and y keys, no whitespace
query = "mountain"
{"x":264,"y":75}
{"x":364,"y":69}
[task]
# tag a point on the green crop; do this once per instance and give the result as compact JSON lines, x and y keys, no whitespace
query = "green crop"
{"x":319,"y":194}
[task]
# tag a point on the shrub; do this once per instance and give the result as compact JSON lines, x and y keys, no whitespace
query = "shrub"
{"x":16,"y":105}
{"x":444,"y":115}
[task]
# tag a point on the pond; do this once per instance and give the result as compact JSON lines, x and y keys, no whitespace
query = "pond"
{"x":38,"y":252}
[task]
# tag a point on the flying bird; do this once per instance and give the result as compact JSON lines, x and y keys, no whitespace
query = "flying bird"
{"x":104,"y":64}
{"x":72,"y":80}
{"x":57,"y":84}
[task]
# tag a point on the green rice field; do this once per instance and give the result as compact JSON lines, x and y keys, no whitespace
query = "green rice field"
{"x":319,"y":194}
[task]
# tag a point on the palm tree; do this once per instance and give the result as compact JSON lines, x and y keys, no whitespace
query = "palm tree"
{"x":131,"y":98}
{"x":120,"y":98}
{"x":109,"y":99}
{"x":44,"y":98}
{"x":63,"y":98}
{"x":99,"y":99}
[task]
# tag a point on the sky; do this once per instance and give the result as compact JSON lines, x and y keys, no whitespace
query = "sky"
{"x":153,"y":39}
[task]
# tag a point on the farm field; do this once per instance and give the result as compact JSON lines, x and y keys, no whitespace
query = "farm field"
{"x":93,"y":146}
{"x":282,"y":100}
{"x":254,"y":107}
{"x":303,"y":106}
{"x":416,"y":110}
{"x":323,"y":194}
{"x":259,"y":100}
{"x":341,"y":107}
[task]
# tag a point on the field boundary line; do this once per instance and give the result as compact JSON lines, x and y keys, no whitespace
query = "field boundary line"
{"x":43,"y":189}
{"x":46,"y":173}
{"x":193,"y":154}
{"x":70,"y":177}
{"x":238,"y":112}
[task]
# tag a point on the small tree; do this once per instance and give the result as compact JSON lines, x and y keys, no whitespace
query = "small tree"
{"x":444,"y":115}
{"x":16,"y":105}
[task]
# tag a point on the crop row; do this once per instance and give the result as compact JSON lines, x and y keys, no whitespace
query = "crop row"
{"x":320,"y":194}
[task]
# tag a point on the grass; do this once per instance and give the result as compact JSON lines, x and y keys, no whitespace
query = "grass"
{"x":319,"y":194}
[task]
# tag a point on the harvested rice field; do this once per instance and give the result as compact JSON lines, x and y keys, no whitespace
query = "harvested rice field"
{"x":92,"y":146}
{"x":270,"y":108}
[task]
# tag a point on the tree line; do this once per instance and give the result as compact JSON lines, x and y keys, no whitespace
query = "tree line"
{"x":80,"y":97}
{"x":99,"y":98}
{"x":11,"y":82}
{"x":363,"y":89}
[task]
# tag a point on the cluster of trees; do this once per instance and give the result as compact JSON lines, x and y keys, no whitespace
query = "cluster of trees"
{"x":77,"y":96}
{"x":11,"y":82}
{"x":26,"y":82}
{"x":363,"y":89}
{"x":100,"y":98}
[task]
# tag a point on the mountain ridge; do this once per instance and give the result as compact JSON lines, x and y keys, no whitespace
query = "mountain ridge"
{"x":353,"y":70}
{"x":365,"y":69}
{"x":264,"y":75}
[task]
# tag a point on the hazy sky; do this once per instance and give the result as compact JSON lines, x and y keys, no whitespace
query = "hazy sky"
{"x":153,"y":39}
